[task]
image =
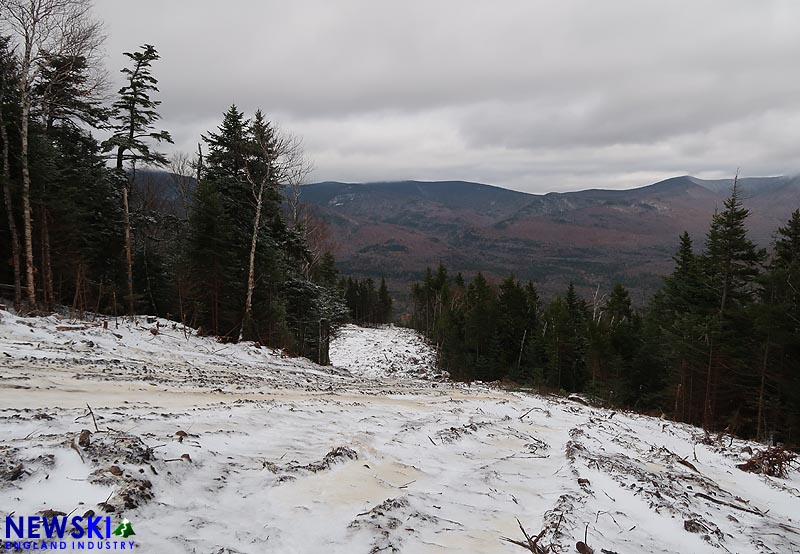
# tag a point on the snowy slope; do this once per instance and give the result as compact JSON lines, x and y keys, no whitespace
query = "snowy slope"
{"x":284,"y":456}
{"x":386,"y":351}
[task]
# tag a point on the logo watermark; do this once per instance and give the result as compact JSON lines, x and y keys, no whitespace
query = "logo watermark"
{"x":35,"y":533}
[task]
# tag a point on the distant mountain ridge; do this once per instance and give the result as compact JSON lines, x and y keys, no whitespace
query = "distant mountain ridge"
{"x":593,"y":237}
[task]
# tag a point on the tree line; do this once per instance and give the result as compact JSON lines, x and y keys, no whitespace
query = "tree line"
{"x":718,"y":345}
{"x":368,"y":306}
{"x":213,"y":242}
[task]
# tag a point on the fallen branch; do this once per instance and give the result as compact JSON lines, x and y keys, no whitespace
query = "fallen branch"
{"x":73,"y":446}
{"x":688,"y":464}
{"x":90,"y":413}
{"x":105,"y":505}
{"x":530,"y":544}
{"x":75,"y":327}
{"x":723,"y":503}
{"x":609,"y":514}
{"x":582,"y":546}
{"x":183,"y":458}
{"x":775,"y":462}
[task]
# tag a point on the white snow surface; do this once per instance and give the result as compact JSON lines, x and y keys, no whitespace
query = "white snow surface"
{"x":289,"y":457}
{"x":386,"y":351}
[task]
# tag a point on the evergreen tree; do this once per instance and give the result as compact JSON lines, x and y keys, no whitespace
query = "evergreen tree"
{"x":512,"y":323}
{"x":732,"y":260}
{"x":207,"y":256}
{"x":777,"y":322}
{"x":133,"y":116}
{"x":9,"y":108}
{"x":63,"y":105}
{"x":575,"y":341}
{"x":242,"y":254}
{"x":678,"y":319}
{"x":220,"y":230}
{"x":623,"y":328}
{"x":385,"y":303}
{"x":325,"y":271}
{"x":479,"y":325}
{"x":43,"y":30}
{"x":731,"y":265}
{"x":86,"y":215}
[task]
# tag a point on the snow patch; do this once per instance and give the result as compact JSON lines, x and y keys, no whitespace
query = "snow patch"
{"x":386,"y":351}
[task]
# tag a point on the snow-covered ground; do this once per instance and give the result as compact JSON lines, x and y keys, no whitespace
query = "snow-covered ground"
{"x":214,"y":448}
{"x":381,"y":352}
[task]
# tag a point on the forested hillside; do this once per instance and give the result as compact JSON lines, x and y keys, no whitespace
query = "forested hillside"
{"x":85,"y":225}
{"x":718,"y":345}
{"x":589,"y":237}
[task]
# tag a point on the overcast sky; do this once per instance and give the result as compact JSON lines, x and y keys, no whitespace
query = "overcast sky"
{"x":530,"y":95}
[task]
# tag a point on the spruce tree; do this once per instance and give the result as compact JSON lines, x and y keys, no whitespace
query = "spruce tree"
{"x":512,"y":323}
{"x":677,"y":323}
{"x":134,"y":114}
{"x":207,"y":257}
{"x":732,"y":260}
{"x":64,"y":103}
{"x":777,"y":319}
{"x":574,"y":357}
{"x":9,"y":108}
{"x":42,"y":29}
{"x":623,"y":328}
{"x":385,"y":302}
{"x":731,"y":265}
{"x":479,"y":323}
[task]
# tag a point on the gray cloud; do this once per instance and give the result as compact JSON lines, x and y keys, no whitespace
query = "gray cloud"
{"x":531,"y":95}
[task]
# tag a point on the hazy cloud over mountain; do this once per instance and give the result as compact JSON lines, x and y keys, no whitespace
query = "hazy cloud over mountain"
{"x":531,"y":95}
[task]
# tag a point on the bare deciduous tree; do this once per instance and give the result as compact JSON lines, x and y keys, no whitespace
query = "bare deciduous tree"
{"x":183,"y":171}
{"x":278,"y":161}
{"x":296,"y":168}
{"x":314,"y":231}
{"x":317,"y":236}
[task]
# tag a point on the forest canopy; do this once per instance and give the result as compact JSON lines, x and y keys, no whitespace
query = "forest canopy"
{"x":718,"y":345}
{"x":211,"y":240}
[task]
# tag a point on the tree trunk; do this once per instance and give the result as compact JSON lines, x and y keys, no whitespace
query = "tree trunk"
{"x":147,"y":279}
{"x":127,"y":221}
{"x":76,"y":298}
{"x":12,"y":224}
{"x":199,"y":162}
{"x":46,"y":262}
{"x":251,"y":274}
{"x":324,"y":342}
{"x":126,"y":207}
{"x":760,"y":427}
{"x":47,"y":267}
{"x":690,"y":397}
{"x":128,"y":249}
{"x":26,"y":193}
{"x":707,"y":407}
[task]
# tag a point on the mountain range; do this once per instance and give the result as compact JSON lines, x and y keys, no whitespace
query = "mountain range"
{"x":592,"y":238}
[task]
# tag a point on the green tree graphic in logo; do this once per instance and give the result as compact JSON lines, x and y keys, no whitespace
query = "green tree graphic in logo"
{"x":124,"y":529}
